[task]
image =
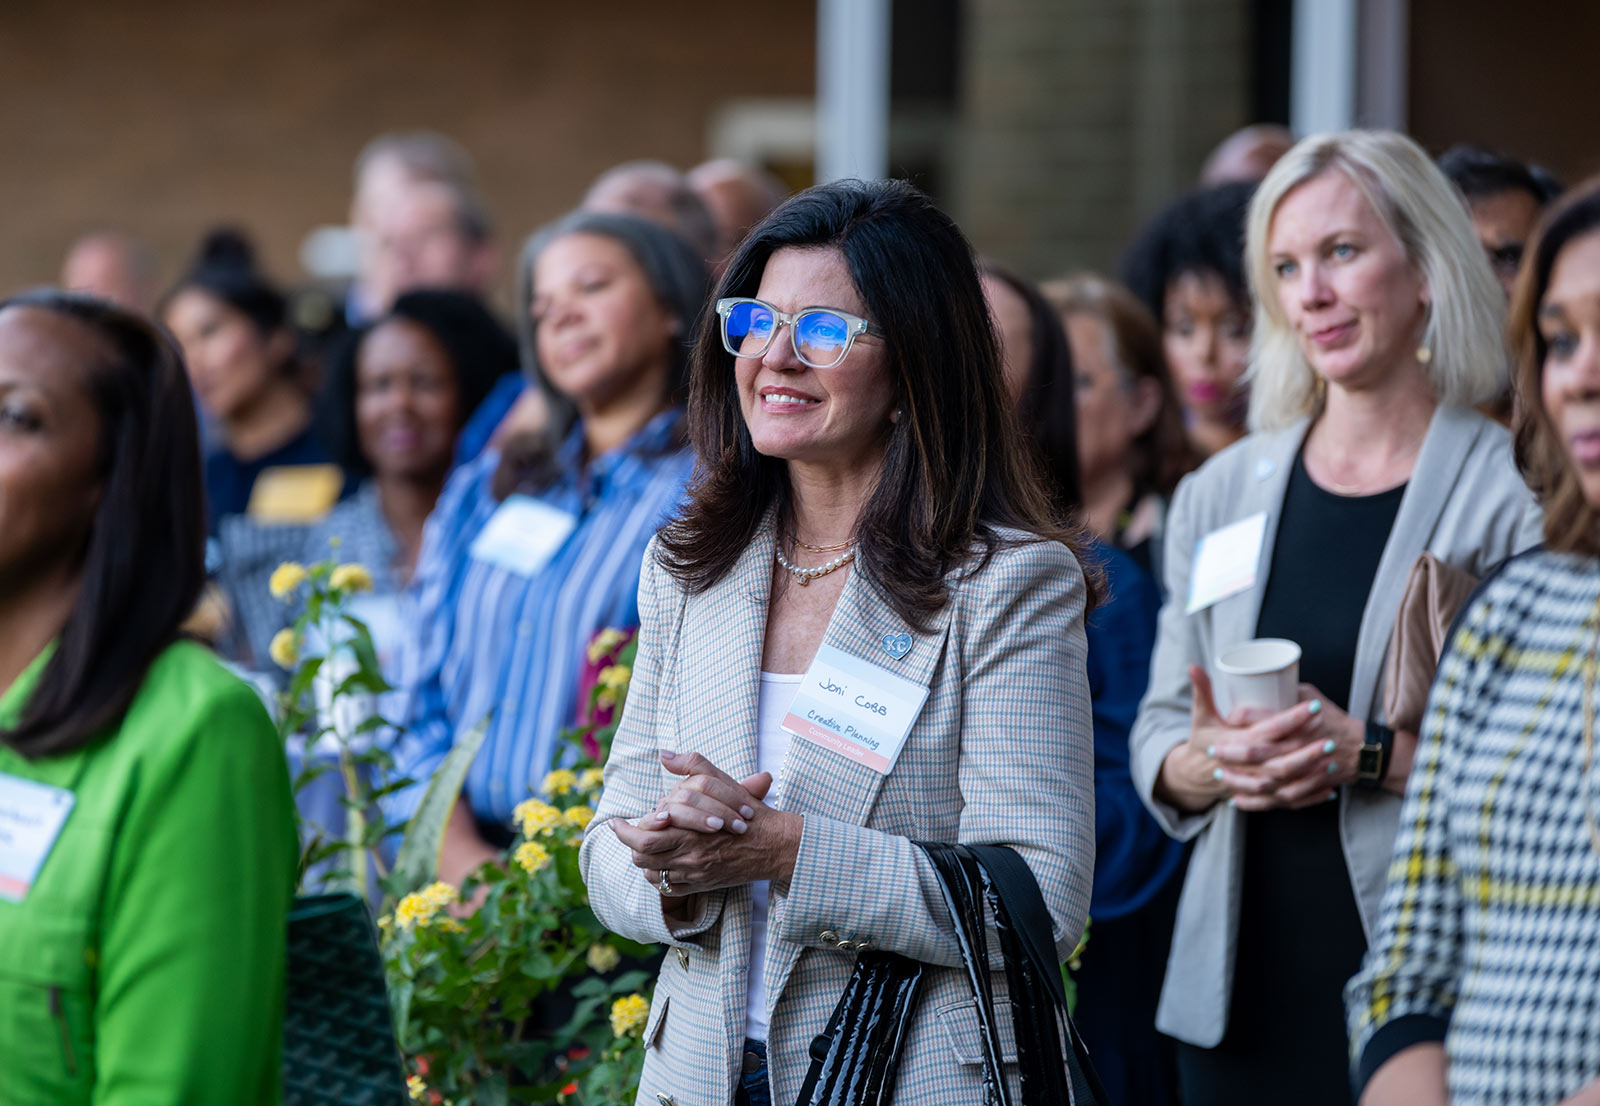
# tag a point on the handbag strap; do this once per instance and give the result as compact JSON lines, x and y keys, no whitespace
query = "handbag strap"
{"x":1024,"y":924}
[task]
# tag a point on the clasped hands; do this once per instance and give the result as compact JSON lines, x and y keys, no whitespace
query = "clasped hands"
{"x":711,"y":831}
{"x":1262,"y":760}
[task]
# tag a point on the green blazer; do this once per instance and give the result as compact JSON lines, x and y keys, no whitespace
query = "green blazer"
{"x":146,"y":964}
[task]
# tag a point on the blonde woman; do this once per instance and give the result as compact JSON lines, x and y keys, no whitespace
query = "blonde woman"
{"x":1377,"y":328}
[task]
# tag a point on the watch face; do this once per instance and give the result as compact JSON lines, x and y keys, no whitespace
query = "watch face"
{"x":1369,"y":761}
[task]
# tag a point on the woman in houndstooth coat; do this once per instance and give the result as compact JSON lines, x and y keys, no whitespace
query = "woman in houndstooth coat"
{"x":862,"y":492}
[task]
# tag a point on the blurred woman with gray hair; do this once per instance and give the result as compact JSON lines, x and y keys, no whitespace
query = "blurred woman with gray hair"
{"x":1378,"y":326}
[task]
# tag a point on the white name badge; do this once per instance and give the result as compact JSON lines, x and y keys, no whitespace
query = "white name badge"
{"x":523,"y":534}
{"x":1226,"y":562}
{"x":855,"y":708}
{"x":31,"y":817}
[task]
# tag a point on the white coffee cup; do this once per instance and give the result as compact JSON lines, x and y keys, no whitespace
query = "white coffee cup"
{"x":1262,"y":673}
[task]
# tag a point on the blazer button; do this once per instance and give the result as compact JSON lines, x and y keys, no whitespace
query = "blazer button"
{"x":683,"y":957}
{"x":864,"y":944}
{"x":828,"y":937}
{"x":846,"y":946}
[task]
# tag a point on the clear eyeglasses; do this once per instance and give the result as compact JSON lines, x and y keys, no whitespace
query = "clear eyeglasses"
{"x":821,"y":336}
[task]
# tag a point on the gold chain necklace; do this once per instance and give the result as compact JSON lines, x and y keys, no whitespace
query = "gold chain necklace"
{"x":846,"y":544}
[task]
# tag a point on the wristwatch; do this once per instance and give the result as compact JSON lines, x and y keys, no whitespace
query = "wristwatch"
{"x":1372,"y":762}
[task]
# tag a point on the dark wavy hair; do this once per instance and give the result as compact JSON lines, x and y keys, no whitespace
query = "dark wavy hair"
{"x":1046,"y":408}
{"x":144,"y":563}
{"x":956,"y":468}
{"x":1201,"y":232}
{"x":1571,"y":522}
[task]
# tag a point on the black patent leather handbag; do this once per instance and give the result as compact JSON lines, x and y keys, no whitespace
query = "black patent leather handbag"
{"x":855,"y":1059}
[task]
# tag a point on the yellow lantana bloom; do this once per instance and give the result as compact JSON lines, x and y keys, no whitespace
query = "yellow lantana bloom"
{"x":591,"y":779}
{"x":579,"y":817}
{"x":534,"y":817}
{"x":284,"y":649}
{"x":350,"y":577}
{"x":602,"y":958}
{"x":629,"y":1014}
{"x":531,"y":856}
{"x":285,"y":578}
{"x":560,"y":782}
{"x":604,"y":643}
{"x":419,"y":907}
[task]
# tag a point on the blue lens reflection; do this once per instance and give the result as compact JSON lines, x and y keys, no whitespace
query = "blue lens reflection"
{"x":821,"y":336}
{"x":748,"y":324}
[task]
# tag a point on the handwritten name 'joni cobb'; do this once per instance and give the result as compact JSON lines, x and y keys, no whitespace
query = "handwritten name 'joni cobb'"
{"x":861,"y":701}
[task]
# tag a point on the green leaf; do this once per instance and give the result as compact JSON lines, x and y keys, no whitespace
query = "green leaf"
{"x":418,"y":861}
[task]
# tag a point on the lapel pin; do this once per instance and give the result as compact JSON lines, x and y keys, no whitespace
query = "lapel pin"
{"x":1264,"y":468}
{"x":897,"y":645}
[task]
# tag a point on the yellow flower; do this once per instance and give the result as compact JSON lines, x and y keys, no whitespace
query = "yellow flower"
{"x":284,"y":649}
{"x":615,"y":677}
{"x":591,"y":779}
{"x":629,"y":1014}
{"x":602,"y":958}
{"x":532,"y":856}
{"x":350,"y":577}
{"x":385,"y":923}
{"x":559,"y":782}
{"x":418,"y":1089}
{"x":419,"y":907}
{"x":534,"y":817}
{"x":579,"y":817}
{"x":285,"y":578}
{"x":604,"y":643}
{"x":450,"y":925}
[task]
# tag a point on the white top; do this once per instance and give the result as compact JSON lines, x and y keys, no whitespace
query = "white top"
{"x":772,"y":742}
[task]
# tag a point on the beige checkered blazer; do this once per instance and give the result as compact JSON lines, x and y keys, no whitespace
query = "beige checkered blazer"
{"x":1001,"y":754}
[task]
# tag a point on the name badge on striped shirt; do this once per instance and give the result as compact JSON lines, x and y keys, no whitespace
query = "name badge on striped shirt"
{"x":523,"y":535}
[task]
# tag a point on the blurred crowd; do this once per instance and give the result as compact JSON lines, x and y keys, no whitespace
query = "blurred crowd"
{"x":1314,"y":334}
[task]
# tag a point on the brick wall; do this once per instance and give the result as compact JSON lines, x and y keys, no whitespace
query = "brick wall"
{"x":1082,"y":116}
{"x":166,"y":116}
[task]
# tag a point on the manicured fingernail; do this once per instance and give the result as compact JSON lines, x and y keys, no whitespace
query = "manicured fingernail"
{"x":1315,"y":707}
{"x":1332,"y":795}
{"x":660,"y":816}
{"x":1332,"y":768}
{"x":1211,"y":750}
{"x":739,"y":826}
{"x":1329,"y":746}
{"x":668,"y":753}
{"x":1233,"y":805}
{"x":1216,"y":773}
{"x":715,"y":823}
{"x":748,"y":812}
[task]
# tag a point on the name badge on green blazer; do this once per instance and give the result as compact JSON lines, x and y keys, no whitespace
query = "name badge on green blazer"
{"x":31,"y":817}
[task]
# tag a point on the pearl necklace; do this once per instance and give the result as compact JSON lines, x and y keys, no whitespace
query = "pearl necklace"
{"x":806,"y":575}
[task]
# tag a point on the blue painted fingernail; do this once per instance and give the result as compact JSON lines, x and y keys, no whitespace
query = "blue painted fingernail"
{"x":1332,"y":768}
{"x":1329,"y":745}
{"x":1315,"y":707}
{"x":1211,"y":750}
{"x":715,"y":823}
{"x":1332,"y":795}
{"x":1216,"y":773}
{"x":1232,"y":805}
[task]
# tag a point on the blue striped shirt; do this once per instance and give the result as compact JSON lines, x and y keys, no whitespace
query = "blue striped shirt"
{"x":489,"y":640}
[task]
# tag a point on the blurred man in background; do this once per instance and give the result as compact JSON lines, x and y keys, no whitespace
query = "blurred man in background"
{"x":738,"y":196}
{"x":1504,"y":198}
{"x":113,"y":266}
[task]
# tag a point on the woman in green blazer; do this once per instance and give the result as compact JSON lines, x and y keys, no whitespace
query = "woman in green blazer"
{"x":147,"y":845}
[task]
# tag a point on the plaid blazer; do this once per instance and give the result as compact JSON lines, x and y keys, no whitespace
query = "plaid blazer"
{"x":1001,"y":753}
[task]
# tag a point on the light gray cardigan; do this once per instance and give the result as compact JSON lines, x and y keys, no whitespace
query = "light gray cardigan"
{"x":1465,"y":503}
